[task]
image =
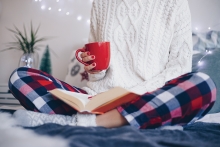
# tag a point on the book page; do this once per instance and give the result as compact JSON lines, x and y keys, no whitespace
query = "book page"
{"x":116,"y":102}
{"x":69,"y":97}
{"x":106,"y":97}
{"x":72,"y":104}
{"x":84,"y":98}
{"x":99,"y":103}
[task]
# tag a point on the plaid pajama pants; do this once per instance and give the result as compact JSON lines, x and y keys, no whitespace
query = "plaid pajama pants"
{"x":178,"y":102}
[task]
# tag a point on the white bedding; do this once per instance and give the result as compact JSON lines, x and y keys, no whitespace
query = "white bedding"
{"x":15,"y":136}
{"x":210,"y":118}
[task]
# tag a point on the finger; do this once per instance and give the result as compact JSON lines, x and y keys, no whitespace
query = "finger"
{"x":85,"y":54}
{"x":89,"y":67}
{"x":88,"y":58}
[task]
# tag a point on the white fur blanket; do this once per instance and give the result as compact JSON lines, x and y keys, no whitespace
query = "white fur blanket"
{"x":12,"y":135}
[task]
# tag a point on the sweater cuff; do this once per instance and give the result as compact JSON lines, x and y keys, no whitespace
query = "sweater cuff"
{"x":89,"y":91}
{"x":97,"y":77}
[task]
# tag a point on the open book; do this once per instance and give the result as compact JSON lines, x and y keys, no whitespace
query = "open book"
{"x":97,"y":104}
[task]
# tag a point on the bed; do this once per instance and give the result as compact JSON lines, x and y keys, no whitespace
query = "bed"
{"x":196,"y":135}
{"x":203,"y":133}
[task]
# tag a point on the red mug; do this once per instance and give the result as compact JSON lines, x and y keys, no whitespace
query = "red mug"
{"x":101,"y":51}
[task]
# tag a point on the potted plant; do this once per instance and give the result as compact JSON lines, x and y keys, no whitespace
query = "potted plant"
{"x":27,"y":44}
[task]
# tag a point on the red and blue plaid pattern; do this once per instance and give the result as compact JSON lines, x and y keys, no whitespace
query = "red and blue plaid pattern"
{"x":180,"y":101}
{"x":30,"y":87}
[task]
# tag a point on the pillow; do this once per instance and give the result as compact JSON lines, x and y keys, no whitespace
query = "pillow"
{"x":204,"y":41}
{"x":76,"y":75}
{"x":207,"y":51}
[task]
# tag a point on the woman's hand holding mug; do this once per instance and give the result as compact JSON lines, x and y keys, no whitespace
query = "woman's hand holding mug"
{"x":95,"y":56}
{"x":86,"y":57}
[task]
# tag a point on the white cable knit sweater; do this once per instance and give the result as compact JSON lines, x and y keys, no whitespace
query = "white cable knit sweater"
{"x":151,"y":43}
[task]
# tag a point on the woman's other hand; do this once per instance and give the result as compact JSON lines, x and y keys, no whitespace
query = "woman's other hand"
{"x":86,"y":57}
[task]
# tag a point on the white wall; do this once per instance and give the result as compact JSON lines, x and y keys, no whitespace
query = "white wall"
{"x":69,"y":32}
{"x":205,"y":14}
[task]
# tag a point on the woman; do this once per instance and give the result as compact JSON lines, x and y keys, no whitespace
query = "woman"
{"x":151,"y":53}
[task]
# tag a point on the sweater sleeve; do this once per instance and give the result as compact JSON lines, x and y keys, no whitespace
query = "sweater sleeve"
{"x":93,"y":37}
{"x":180,"y":52}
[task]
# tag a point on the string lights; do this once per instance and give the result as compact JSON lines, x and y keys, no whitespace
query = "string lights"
{"x":60,"y":3}
{"x":200,"y":62}
{"x":42,"y":7}
{"x":207,"y":51}
{"x":79,"y":17}
{"x":204,"y":30}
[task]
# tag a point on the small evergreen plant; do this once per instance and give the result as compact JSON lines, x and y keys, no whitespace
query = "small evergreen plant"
{"x":46,"y":61}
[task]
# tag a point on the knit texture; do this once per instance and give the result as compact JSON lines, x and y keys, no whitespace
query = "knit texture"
{"x":86,"y":120}
{"x":32,"y":119}
{"x":151,"y":42}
